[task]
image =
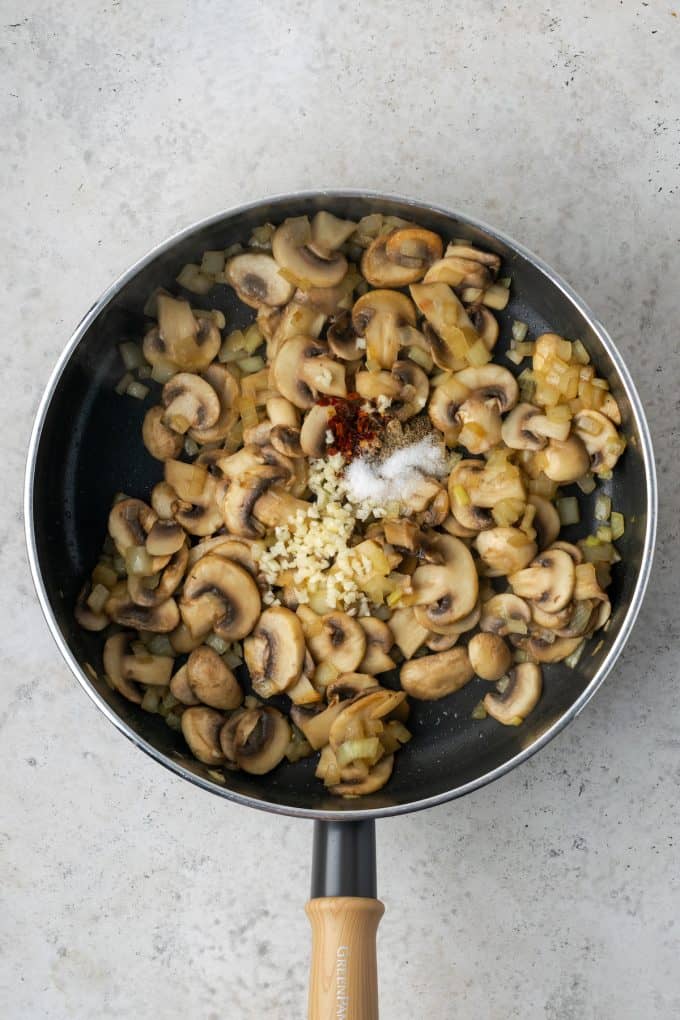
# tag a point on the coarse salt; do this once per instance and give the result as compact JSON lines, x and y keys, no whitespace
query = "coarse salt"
{"x":371,"y":484}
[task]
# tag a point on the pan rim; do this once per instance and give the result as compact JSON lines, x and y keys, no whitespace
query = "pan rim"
{"x":350,"y":814}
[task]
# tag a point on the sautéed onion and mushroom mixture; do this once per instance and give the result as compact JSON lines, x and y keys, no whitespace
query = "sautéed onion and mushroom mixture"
{"x":355,"y":489}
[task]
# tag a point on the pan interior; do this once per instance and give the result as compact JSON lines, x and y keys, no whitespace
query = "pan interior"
{"x":90,"y":447}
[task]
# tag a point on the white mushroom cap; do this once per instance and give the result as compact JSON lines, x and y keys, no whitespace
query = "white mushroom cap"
{"x":520,"y":696}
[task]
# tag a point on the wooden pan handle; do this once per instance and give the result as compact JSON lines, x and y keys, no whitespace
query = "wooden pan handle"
{"x":343,"y":982}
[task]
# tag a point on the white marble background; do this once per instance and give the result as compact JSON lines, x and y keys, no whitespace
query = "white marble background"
{"x":126,"y":892}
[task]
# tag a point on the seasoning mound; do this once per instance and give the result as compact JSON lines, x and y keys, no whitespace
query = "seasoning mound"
{"x":373,"y":483}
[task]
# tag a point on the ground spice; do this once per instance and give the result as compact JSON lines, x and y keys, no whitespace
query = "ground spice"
{"x":355,"y":431}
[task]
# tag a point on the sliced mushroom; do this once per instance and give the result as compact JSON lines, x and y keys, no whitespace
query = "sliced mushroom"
{"x":453,"y":330}
{"x":343,"y":339}
{"x":413,"y":247}
{"x":165,"y":538}
{"x":340,"y":641}
{"x":445,"y":403}
{"x":491,"y":384}
{"x":484,"y":486}
{"x":145,"y":668}
{"x":378,"y":316}
{"x":291,"y":249}
{"x":489,"y":655}
{"x":379,"y":642}
{"x":313,"y":432}
{"x":143,"y":593}
{"x":550,"y":621}
{"x":435,"y":676}
{"x":520,"y":696}
{"x":315,"y":721}
{"x":257,"y":281}
{"x":458,"y":272}
{"x":329,"y":232}
{"x":552,"y":651}
{"x":371,"y":783}
{"x":274,"y":653}
{"x":114,"y":652}
{"x":505,"y":614}
{"x":381,"y":271}
{"x":163,"y":500}
{"x":504,"y":550}
{"x":564,"y":462}
{"x":201,"y":730}
{"x":160,"y":619}
{"x":485,"y":323}
{"x":449,"y":591}
{"x":349,"y":685}
{"x":517,"y":430}
{"x":180,"y":688}
{"x":211,"y":680}
{"x":261,"y":738}
{"x":276,"y":506}
{"x":226,"y":387}
{"x":414,"y":387}
{"x":468,"y":251}
{"x":600,"y":438}
{"x":294,"y":320}
{"x":182,"y":640}
{"x":85,"y":616}
{"x":190,"y":402}
{"x":161,"y":442}
{"x":220,"y":595}
{"x":236,"y":500}
{"x":460,"y":626}
{"x":546,"y":521}
{"x":453,"y":526}
{"x":189,"y":342}
{"x":130,"y":520}
{"x":441,"y":642}
{"x":549,"y":581}
{"x":409,"y":635}
{"x":569,"y":547}
{"x":201,"y":516}
{"x":302,"y":370}
{"x":356,"y":719}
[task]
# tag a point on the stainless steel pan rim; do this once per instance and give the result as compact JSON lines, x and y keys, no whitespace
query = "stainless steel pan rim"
{"x":459,"y":791}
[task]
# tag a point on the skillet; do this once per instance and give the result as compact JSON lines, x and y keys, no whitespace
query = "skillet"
{"x":86,"y":445}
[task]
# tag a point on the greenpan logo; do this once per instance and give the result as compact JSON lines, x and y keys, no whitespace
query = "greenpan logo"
{"x":341,"y":997}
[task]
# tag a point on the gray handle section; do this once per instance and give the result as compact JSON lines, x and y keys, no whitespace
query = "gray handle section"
{"x":343,"y":862}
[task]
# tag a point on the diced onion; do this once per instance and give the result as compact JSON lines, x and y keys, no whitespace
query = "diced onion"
{"x":618,"y":525}
{"x":603,"y":508}
{"x":571,"y":661}
{"x":98,"y":598}
{"x":123,"y":383}
{"x":217,"y":643}
{"x":251,"y":365}
{"x":496,"y":296}
{"x":479,"y":712}
{"x":137,"y":390}
{"x":367,"y":748}
{"x":192,"y":279}
{"x":586,"y":484}
{"x":212,"y":263}
{"x":568,"y":510}
{"x":519,"y":330}
{"x":131,"y":354}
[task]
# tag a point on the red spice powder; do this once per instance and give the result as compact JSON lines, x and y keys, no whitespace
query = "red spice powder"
{"x":354,"y":430}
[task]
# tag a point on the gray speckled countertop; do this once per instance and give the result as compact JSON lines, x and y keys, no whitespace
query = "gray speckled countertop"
{"x":553,"y":894}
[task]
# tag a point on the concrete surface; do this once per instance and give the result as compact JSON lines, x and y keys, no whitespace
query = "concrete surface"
{"x":553,"y":894}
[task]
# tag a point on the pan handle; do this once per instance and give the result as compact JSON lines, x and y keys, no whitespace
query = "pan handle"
{"x":344,"y":914}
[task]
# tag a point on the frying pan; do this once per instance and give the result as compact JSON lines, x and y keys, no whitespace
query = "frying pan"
{"x":86,"y":445}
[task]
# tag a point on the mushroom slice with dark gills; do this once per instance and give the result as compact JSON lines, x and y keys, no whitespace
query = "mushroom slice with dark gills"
{"x":342,"y":338}
{"x":549,"y":581}
{"x":293,"y":251}
{"x":159,"y":619}
{"x":485,"y":324}
{"x":435,"y":676}
{"x":236,"y":500}
{"x":448,"y":591}
{"x":160,"y":440}
{"x":603,"y":443}
{"x":348,"y":685}
{"x":453,"y":332}
{"x":379,"y":642}
{"x":227,"y":389}
{"x":302,"y":370}
{"x":261,"y":738}
{"x":201,"y":729}
{"x":546,"y":521}
{"x":314,"y":428}
{"x":458,"y":272}
{"x":86,"y":617}
{"x":256,"y":278}
{"x":211,"y":680}
{"x":475,"y":487}
{"x":274,"y":653}
{"x":165,"y":538}
{"x":517,"y":432}
{"x":155,"y":589}
{"x":373,"y":781}
{"x":130,"y":521}
{"x":190,"y":402}
{"x":519,"y":696}
{"x":378,"y":316}
{"x":505,"y":614}
{"x":184,"y":340}
{"x":340,"y":640}
{"x":220,"y":595}
{"x":400,"y":257}
{"x":126,"y":670}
